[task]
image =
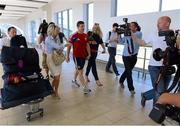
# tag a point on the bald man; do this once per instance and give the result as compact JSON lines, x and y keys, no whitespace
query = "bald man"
{"x":163,"y":24}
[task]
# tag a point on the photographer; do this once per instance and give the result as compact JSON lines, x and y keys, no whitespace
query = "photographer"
{"x":169,"y":98}
{"x":112,"y":40}
{"x":154,"y":67}
{"x":130,"y":56}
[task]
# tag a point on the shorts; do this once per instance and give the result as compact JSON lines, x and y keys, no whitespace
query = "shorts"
{"x":44,"y":63}
{"x":79,"y":63}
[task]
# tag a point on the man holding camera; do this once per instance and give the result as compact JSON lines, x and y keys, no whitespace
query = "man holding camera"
{"x":154,"y":67}
{"x":171,"y":99}
{"x":112,"y":41}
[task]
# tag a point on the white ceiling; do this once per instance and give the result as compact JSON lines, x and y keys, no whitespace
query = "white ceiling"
{"x":15,"y":9}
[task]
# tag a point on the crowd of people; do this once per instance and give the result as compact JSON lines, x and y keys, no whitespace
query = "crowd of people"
{"x":86,"y":46}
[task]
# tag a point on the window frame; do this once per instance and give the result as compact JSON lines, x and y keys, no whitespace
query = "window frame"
{"x":60,"y":20}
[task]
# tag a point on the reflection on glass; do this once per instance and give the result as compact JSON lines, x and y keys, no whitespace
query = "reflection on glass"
{"x":130,"y":7}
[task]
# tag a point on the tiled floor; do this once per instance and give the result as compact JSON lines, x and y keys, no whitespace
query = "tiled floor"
{"x":105,"y":105}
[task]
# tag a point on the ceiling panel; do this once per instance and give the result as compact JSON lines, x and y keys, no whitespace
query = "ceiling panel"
{"x":16,"y":8}
{"x":13,"y":12}
{"x":22,"y":3}
{"x":20,"y":8}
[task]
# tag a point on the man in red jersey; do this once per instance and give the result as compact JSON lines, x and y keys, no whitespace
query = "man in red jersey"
{"x":81,"y":52}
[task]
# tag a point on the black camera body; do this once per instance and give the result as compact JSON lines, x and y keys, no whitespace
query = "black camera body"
{"x":171,"y":55}
{"x":159,"y":113}
{"x":124,"y":28}
{"x":170,"y":37}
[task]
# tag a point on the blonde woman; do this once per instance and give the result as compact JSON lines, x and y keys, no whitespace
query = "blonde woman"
{"x":94,"y":39}
{"x":51,"y":44}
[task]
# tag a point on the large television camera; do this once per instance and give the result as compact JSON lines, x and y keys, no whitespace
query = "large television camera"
{"x":171,"y":56}
{"x":124,"y":28}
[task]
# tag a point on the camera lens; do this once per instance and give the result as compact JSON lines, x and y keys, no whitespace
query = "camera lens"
{"x":158,"y":54}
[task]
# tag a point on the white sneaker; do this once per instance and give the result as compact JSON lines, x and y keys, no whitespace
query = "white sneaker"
{"x":86,"y":90}
{"x":76,"y":83}
{"x":133,"y":92}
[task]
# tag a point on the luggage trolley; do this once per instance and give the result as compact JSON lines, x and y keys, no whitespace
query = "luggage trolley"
{"x":34,"y":108}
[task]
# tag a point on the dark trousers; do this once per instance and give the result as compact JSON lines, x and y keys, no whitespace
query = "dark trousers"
{"x":162,"y":86}
{"x":92,"y":64}
{"x":112,"y":60}
{"x":129,"y":63}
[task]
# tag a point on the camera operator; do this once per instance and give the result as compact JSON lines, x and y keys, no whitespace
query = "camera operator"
{"x":112,"y":40}
{"x":130,"y":56}
{"x":169,"y":98}
{"x":156,"y":41}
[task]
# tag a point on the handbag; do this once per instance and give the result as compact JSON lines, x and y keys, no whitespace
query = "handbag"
{"x":58,"y":57}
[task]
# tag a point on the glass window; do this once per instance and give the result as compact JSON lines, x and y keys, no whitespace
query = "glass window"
{"x":33,"y":31}
{"x":70,"y":21}
{"x":170,"y":5}
{"x":90,"y":15}
{"x":64,"y":20}
{"x":130,"y":7}
{"x":59,"y":19}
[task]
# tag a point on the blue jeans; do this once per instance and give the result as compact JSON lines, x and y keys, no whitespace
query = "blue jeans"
{"x":162,"y":86}
{"x":112,"y":60}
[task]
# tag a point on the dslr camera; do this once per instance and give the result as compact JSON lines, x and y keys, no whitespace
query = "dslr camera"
{"x":170,"y":56}
{"x":124,"y":28}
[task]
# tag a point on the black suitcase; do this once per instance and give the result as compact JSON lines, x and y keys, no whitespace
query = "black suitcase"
{"x":16,"y":59}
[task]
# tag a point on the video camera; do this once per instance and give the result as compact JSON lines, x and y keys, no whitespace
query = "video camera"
{"x":124,"y":28}
{"x":170,"y":56}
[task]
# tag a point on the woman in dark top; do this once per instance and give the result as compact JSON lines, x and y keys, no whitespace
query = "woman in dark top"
{"x":94,"y":38}
{"x":62,"y":36}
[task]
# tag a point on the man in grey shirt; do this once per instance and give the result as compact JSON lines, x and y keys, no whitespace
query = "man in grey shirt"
{"x":112,"y":40}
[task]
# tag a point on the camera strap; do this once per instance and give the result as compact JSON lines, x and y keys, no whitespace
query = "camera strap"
{"x":130,"y":46}
{"x":109,"y":34}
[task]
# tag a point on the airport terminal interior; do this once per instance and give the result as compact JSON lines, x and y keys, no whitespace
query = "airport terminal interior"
{"x":84,"y":100}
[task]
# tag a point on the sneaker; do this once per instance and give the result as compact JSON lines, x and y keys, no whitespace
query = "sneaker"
{"x":122,"y":85}
{"x":143,"y":100}
{"x":76,"y":83}
{"x":109,"y":71}
{"x":133,"y":92}
{"x":86,"y":90}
